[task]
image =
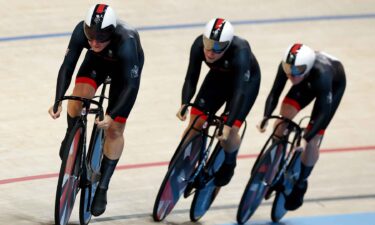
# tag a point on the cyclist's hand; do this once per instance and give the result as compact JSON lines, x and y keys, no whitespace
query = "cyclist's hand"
{"x":179,"y":114}
{"x":262,"y":126}
{"x":105,"y":123}
{"x":56,"y":114}
{"x":225,"y":134}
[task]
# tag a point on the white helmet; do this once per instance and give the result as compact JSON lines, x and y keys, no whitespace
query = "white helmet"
{"x":218,"y":35}
{"x":298,"y":60}
{"x":100,"y":23}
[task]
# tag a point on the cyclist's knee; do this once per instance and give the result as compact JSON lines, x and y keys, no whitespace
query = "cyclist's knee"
{"x":198,"y":123}
{"x":81,"y":90}
{"x":116,"y":130}
{"x":233,"y":141}
{"x":74,"y":108}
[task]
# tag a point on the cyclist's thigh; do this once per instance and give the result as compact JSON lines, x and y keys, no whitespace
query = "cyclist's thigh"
{"x":92,"y":71}
{"x":298,"y":97}
{"x":89,"y":77}
{"x":199,"y":122}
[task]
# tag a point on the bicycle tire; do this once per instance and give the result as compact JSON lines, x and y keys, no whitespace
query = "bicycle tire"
{"x":203,"y":198}
{"x":292,"y":173}
{"x":177,"y":177}
{"x":258,"y":183}
{"x":69,"y":175}
{"x":94,"y":157}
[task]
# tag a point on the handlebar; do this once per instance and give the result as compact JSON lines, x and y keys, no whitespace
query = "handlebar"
{"x":212,"y":119}
{"x":285,"y":120}
{"x":86,"y":104}
{"x":291,"y":125}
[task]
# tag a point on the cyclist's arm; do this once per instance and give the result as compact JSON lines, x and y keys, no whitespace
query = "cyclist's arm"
{"x":322,"y":104}
{"x":194,"y":68}
{"x":274,"y":95}
{"x":130,"y":72}
{"x":77,"y":42}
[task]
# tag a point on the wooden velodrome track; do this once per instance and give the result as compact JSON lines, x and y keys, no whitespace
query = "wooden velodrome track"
{"x":33,"y":39}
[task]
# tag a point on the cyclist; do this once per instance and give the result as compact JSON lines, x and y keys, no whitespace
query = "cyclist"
{"x":314,"y":75}
{"x":233,"y":78}
{"x":114,"y":49}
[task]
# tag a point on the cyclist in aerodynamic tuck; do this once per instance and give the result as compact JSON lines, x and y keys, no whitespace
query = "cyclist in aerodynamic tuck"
{"x":314,"y":75}
{"x":233,"y":78}
{"x":113,"y":49}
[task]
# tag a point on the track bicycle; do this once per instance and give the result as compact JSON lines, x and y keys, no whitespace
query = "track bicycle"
{"x":276,"y":168}
{"x":191,"y":170}
{"x":80,"y":168}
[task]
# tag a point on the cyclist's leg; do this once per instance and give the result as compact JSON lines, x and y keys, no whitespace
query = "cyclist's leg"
{"x":74,"y":109}
{"x":197,"y":126}
{"x":311,"y":154}
{"x":114,"y":137}
{"x":113,"y":147}
{"x":231,"y":148}
{"x":232,"y":144}
{"x":298,"y":98}
{"x":86,"y":83}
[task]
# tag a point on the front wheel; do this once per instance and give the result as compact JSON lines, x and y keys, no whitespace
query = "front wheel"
{"x":278,"y":209}
{"x":177,"y":177}
{"x":69,"y":176}
{"x":94,"y":158}
{"x":204,"y":197}
{"x":263,"y":175}
{"x":292,"y":174}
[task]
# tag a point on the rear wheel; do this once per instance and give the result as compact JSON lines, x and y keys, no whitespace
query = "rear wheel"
{"x":204,"y":197}
{"x":263,"y":175}
{"x":69,"y":176}
{"x":177,"y":177}
{"x":94,"y":159}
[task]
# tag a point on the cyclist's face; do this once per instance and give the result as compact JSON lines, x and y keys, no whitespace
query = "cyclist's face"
{"x":211,"y":56}
{"x":294,"y":73}
{"x":97,"y":46}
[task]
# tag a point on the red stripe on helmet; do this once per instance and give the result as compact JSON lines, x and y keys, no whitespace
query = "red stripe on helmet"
{"x":100,"y":8}
{"x":218,"y":23}
{"x":295,"y":48}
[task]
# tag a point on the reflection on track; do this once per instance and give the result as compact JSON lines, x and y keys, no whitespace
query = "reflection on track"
{"x":222,"y":207}
{"x":344,"y":219}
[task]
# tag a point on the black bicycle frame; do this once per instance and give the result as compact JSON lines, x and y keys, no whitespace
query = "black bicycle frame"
{"x":212,"y":121}
{"x":292,"y":127}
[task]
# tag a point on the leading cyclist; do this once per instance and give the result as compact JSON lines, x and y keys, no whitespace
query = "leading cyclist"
{"x":114,"y":49}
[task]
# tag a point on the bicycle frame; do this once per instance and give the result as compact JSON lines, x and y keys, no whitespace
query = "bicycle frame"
{"x":291,"y":129}
{"x":85,"y":174}
{"x":212,"y":121}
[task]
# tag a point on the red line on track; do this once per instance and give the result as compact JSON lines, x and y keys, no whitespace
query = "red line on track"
{"x":156,"y":164}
